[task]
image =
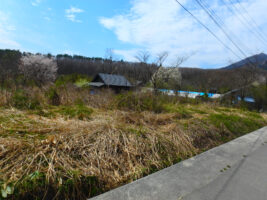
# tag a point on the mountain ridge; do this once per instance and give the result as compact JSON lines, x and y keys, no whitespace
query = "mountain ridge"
{"x":259,"y":59}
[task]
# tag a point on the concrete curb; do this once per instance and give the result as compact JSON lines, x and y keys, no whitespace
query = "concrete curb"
{"x":175,"y":182}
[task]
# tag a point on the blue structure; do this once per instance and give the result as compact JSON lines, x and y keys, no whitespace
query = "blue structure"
{"x":247,"y":99}
{"x":188,"y":92}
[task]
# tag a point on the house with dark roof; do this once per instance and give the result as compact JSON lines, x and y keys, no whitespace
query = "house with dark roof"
{"x":112,"y":81}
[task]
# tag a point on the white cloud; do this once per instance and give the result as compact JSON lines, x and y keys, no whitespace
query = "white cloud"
{"x":36,"y":2}
{"x":72,"y":12}
{"x":160,"y":25}
{"x":6,"y":33}
{"x":127,"y":54}
{"x":47,"y":18}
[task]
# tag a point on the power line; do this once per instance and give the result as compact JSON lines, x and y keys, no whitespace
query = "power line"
{"x":251,"y":18}
{"x":250,"y":22}
{"x":221,"y":22}
{"x":226,"y":34}
{"x":242,"y":52}
{"x":210,"y":15}
{"x":209,"y":30}
{"x":242,"y":20}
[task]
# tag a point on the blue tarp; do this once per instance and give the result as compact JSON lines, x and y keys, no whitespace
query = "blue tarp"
{"x":189,"y":92}
{"x":247,"y":99}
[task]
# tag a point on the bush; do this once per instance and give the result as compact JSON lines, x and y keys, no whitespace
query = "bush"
{"x":82,"y":82}
{"x":72,"y":78}
{"x":21,"y":100}
{"x":260,"y":95}
{"x":53,"y":96}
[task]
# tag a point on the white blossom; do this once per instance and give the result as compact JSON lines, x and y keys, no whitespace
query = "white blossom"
{"x":39,"y":68}
{"x":167,"y":77}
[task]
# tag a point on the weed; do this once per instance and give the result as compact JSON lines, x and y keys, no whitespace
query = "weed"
{"x":139,"y":102}
{"x":195,"y":110}
{"x":180,"y":109}
{"x":79,"y":111}
{"x":21,"y":100}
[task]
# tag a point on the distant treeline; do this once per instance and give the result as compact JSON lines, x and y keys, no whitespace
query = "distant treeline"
{"x":10,"y":60}
{"x":9,"y":64}
{"x":221,"y":80}
{"x":91,"y":66}
{"x":195,"y":79}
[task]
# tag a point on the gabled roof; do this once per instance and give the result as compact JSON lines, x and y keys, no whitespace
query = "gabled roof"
{"x":114,"y":80}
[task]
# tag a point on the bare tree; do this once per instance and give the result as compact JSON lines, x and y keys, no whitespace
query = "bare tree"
{"x":147,"y":69}
{"x":180,"y":60}
{"x":246,"y":75}
{"x":38,"y":68}
{"x":161,"y":57}
{"x":109,"y":56}
{"x":143,"y":56}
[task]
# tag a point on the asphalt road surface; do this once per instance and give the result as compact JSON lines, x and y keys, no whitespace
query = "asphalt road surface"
{"x":245,"y":181}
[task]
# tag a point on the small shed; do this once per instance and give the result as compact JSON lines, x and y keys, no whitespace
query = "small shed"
{"x":112,"y":81}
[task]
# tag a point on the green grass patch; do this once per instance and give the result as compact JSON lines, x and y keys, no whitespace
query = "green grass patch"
{"x":220,"y":109}
{"x":195,"y":110}
{"x":254,"y":115}
{"x":80,"y":111}
{"x":180,"y":109}
{"x":236,"y":124}
{"x":139,"y":131}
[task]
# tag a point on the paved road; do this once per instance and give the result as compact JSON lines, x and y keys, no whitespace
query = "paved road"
{"x":245,"y":181}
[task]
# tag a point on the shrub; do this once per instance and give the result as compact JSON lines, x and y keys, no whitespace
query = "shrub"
{"x":21,"y":100}
{"x":260,"y":95}
{"x":72,"y":78}
{"x":53,"y":96}
{"x":82,"y":82}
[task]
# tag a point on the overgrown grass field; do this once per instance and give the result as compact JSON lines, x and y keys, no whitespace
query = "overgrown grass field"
{"x":88,"y":144}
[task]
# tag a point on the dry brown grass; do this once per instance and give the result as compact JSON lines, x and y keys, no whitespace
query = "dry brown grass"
{"x":66,"y":158}
{"x":104,"y":147}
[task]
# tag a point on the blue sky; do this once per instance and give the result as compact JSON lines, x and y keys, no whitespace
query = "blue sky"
{"x":89,"y":27}
{"x":42,"y":26}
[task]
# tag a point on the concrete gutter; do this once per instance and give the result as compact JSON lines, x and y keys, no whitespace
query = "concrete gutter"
{"x":179,"y":180}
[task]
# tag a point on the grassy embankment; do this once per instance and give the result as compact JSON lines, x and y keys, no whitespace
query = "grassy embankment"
{"x":78,"y":150}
